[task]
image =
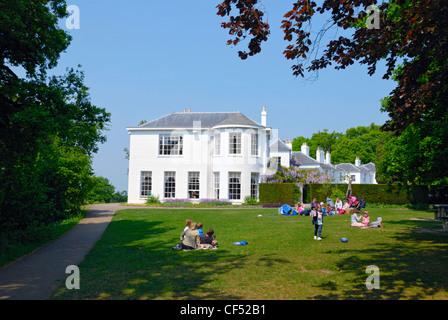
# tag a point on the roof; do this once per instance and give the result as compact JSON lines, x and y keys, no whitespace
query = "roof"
{"x":369,"y":166}
{"x":184,"y":120}
{"x":307,"y":160}
{"x":279,"y":146}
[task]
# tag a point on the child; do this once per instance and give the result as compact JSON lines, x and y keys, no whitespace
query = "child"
{"x":208,"y":240}
{"x":366,"y":219}
{"x":377,"y":223}
{"x":199,"y":226}
{"x":299,"y":207}
{"x":345,"y":207}
{"x":322,"y":210}
{"x":314,"y":203}
{"x":355,"y":219}
{"x":318,"y":221}
{"x":329,"y":210}
{"x":338,"y":206}
{"x":187,"y":223}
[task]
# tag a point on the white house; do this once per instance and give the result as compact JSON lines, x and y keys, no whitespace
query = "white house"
{"x":217,"y":155}
{"x":282,"y":153}
{"x":358,"y":173}
{"x":197,"y":155}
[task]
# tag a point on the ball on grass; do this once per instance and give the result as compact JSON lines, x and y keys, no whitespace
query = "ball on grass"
{"x":344,"y":240}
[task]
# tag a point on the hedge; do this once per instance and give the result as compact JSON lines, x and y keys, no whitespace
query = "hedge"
{"x":378,"y":193}
{"x":277,"y":194}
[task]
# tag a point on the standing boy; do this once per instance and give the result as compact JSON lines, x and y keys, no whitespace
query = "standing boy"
{"x":318,"y":221}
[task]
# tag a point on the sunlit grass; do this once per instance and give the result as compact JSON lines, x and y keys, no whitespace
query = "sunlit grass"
{"x":134,"y":259}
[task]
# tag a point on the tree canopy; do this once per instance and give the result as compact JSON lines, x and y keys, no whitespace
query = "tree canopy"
{"x":48,"y":126}
{"x":358,"y":141}
{"x":410,"y":36}
{"x":415,"y":31}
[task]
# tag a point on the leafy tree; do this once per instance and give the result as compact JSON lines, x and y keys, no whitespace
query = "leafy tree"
{"x":413,"y":31}
{"x":298,"y":142}
{"x":321,"y":139}
{"x":103,"y":191}
{"x":344,"y":147}
{"x":359,"y":142}
{"x":48,"y":127}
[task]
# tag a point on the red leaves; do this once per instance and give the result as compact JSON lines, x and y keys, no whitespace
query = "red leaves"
{"x":412,"y":29}
{"x":249,"y":23}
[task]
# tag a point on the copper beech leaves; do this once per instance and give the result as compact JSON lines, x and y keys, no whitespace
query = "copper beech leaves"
{"x":413,"y":31}
{"x":248,"y":23}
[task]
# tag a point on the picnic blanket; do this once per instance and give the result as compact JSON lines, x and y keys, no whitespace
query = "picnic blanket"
{"x":287,"y":210}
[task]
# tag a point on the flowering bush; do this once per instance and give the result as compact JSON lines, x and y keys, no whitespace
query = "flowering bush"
{"x":297,"y":176}
{"x":216,"y":202}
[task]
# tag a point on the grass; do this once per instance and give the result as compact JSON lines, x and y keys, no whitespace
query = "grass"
{"x":134,"y":260}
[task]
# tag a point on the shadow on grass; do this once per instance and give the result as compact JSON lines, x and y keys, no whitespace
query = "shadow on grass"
{"x":134,"y":260}
{"x":414,"y":267}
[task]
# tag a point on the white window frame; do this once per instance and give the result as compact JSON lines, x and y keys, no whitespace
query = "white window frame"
{"x":254,"y":178}
{"x":169,"y":187}
{"x":145,"y":183}
{"x":216,"y":177}
{"x":218,"y":144}
{"x":193,"y":185}
{"x":254,"y":144}
{"x":170,"y":145}
{"x":234,"y":143}
{"x":234,"y":186}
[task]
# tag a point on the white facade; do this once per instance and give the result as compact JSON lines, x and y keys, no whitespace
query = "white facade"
{"x":197,"y":156}
{"x":216,"y":155}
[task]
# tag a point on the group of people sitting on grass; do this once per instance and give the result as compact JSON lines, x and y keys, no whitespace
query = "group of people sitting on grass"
{"x":339,"y":207}
{"x":327,"y":209}
{"x":194,"y":238}
{"x":354,"y":221}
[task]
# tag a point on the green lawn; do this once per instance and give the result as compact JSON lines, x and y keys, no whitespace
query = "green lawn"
{"x":134,"y":259}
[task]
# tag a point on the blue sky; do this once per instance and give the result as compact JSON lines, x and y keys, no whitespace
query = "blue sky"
{"x":144,"y":59}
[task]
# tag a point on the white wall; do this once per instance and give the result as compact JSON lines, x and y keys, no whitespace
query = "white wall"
{"x":198,"y":156}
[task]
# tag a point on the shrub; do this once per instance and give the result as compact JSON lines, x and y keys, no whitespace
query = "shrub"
{"x":279,"y":193}
{"x":250,"y":201}
{"x":152,"y":199}
{"x":215,"y":202}
{"x":375,"y":193}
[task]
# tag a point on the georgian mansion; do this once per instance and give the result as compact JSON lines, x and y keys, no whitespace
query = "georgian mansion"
{"x":216,"y":155}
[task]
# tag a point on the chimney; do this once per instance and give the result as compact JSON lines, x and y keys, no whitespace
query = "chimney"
{"x":305,"y":149}
{"x":328,"y":158}
{"x":263,"y":116}
{"x":289,"y":144}
{"x":357,"y":162}
{"x":320,"y":155}
{"x":185,"y":110}
{"x":189,"y":110}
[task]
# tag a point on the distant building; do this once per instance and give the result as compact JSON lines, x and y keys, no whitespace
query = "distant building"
{"x":359,"y":173}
